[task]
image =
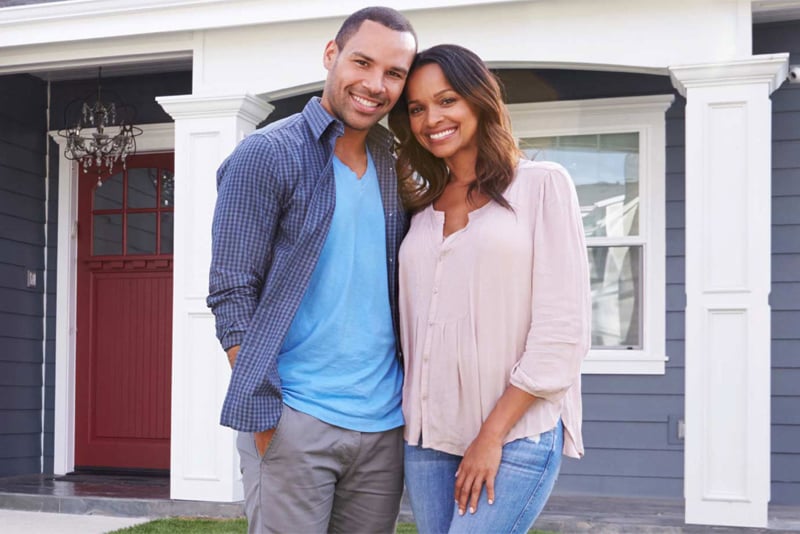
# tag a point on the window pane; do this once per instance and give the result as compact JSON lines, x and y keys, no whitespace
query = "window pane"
{"x":141,"y":233}
{"x":605,"y":169}
{"x":107,"y":235}
{"x":167,"y":230}
{"x":109,"y":195}
{"x":616,"y":278}
{"x":167,"y":189}
{"x":142,"y":188}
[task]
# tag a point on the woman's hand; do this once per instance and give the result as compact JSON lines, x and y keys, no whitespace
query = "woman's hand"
{"x":481,"y":460}
{"x":478,"y":467}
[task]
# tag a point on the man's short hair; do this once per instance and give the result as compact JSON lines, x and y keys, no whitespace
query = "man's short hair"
{"x":384,"y":16}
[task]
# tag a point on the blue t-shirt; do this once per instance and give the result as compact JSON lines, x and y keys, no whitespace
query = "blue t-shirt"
{"x":338,"y":360}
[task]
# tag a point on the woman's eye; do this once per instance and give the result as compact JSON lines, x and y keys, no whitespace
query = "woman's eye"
{"x":448,"y":101}
{"x":414,"y":110}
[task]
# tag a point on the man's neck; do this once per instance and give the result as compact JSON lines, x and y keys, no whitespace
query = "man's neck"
{"x":351,"y":149}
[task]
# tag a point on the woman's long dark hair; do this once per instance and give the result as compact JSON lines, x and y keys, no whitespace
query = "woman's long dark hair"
{"x":498,"y":154}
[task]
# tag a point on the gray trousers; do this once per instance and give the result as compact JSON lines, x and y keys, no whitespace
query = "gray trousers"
{"x":317,"y":478}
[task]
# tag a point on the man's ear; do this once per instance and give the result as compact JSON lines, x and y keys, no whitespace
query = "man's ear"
{"x":329,"y":56}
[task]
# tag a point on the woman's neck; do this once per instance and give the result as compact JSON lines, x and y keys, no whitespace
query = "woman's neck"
{"x":462,"y":168}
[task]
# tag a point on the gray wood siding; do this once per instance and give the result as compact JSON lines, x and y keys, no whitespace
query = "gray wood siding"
{"x":22,"y":237}
{"x":785,"y":293}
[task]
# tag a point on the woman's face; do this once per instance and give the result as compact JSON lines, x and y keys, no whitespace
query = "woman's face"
{"x":442,"y":120}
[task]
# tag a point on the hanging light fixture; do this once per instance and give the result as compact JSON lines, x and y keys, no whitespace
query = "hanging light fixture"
{"x":102,"y":136}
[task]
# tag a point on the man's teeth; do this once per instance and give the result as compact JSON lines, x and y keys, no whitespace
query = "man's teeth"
{"x":365,"y":102}
{"x":444,"y":133}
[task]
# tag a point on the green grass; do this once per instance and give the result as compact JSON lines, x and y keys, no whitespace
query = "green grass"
{"x":183,"y":525}
{"x":180,"y":525}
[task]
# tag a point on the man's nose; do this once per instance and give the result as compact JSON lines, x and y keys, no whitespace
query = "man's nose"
{"x":373,"y":82}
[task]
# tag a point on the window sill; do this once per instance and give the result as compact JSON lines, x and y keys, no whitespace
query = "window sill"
{"x":623,"y":362}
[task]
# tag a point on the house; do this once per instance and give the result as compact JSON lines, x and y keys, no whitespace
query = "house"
{"x":674,"y":117}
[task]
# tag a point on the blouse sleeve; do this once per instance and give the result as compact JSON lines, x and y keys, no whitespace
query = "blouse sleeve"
{"x":559,"y":334}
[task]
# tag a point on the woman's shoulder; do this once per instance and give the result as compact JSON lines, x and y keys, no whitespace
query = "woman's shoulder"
{"x":540,"y":175}
{"x":541,"y":169}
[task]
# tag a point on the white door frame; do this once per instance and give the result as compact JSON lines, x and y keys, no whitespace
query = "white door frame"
{"x":154,"y":138}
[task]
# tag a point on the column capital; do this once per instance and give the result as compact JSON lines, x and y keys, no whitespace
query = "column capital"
{"x":248,"y":107}
{"x":770,"y":69}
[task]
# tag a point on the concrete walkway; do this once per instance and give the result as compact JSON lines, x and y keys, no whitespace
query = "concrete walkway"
{"x":18,"y":522}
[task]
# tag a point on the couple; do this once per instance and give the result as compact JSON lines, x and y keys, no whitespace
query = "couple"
{"x":484,"y":307}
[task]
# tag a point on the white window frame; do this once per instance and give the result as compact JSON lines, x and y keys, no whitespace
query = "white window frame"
{"x":643,"y":115}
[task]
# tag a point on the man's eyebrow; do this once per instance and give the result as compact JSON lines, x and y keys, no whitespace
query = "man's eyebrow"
{"x":362,"y":55}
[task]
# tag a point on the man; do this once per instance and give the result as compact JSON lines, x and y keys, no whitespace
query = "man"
{"x":303,"y":286}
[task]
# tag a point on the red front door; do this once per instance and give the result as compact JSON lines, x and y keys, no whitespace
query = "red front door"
{"x":124,"y":330}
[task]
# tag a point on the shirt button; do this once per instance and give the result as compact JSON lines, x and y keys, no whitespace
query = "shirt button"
{"x":435,"y":290}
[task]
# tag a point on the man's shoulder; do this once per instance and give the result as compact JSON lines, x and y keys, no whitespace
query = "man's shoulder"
{"x":293,"y":129}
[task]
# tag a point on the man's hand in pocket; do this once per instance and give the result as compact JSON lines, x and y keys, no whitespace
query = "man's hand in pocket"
{"x":262,"y":440}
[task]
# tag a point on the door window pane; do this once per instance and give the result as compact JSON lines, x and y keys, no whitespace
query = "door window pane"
{"x":616,"y":280}
{"x":167,"y":189}
{"x":107,"y":235}
{"x":142,"y":185}
{"x":167,"y":231}
{"x":109,"y":195}
{"x":605,"y":169}
{"x":141,"y":233}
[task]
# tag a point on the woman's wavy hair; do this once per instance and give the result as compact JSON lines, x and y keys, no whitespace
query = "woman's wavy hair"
{"x":422,"y":175}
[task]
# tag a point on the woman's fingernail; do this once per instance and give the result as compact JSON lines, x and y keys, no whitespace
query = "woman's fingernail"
{"x":460,"y":511}
{"x":471,"y":510}
{"x":491,"y":501}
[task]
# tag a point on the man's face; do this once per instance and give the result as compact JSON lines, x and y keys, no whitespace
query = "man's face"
{"x":366,"y":77}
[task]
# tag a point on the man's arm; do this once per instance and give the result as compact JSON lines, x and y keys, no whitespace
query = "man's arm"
{"x":245,"y":220}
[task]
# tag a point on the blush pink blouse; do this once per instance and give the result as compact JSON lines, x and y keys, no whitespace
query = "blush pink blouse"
{"x":505,"y":300}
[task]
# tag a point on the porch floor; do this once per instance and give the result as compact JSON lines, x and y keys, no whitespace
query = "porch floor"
{"x":148,"y":496}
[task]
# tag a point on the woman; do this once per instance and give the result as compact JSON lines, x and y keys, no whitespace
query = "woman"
{"x":494,"y":304}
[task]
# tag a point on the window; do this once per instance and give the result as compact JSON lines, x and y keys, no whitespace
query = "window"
{"x":614,"y":150}
{"x":132,"y":213}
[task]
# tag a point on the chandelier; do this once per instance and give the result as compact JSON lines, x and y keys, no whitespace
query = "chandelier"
{"x":103,"y":134}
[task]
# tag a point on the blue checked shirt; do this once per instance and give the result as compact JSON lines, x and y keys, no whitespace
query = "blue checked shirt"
{"x":276,"y":196}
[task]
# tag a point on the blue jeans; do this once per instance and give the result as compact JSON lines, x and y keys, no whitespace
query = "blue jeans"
{"x":527,"y":474}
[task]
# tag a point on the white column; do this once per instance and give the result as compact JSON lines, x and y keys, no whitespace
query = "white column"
{"x":728,"y":173}
{"x":204,"y":464}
